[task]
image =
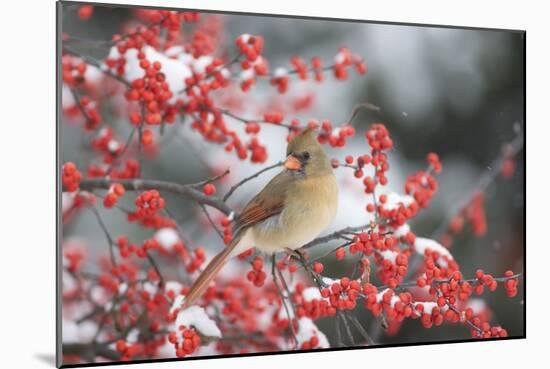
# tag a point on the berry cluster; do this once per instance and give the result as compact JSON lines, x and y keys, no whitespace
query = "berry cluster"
{"x":126,"y":249}
{"x":185,"y":341}
{"x":115,"y":191}
{"x":257,"y":275}
{"x":128,"y":351}
{"x":342,"y":294}
{"x":73,"y":71}
{"x":148,"y":204}
{"x":107,"y":144}
{"x":70,"y":177}
{"x":343,"y":60}
{"x":197,"y":259}
{"x":250,"y":46}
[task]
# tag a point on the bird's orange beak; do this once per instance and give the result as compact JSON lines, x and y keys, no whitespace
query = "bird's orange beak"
{"x":292,"y":163}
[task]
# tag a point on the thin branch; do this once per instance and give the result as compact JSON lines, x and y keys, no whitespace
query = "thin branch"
{"x":360,"y":328}
{"x":283,"y":300}
{"x":243,"y":181}
{"x":156,"y":268}
{"x":107,"y":234}
{"x":343,"y":316}
{"x":123,"y":151}
{"x":213,"y":179}
{"x":245,"y":120}
{"x":232,"y":61}
{"x":357,"y":108}
{"x":341,"y":234}
{"x":211,"y":221}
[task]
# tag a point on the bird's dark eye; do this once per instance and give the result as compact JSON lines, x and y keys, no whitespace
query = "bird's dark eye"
{"x":305,"y":155}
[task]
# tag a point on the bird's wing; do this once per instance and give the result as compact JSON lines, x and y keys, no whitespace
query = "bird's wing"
{"x":267,"y":203}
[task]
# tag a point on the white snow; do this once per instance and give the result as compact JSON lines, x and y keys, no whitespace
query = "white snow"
{"x":394,"y":200}
{"x":173,"y":286}
{"x":421,"y":244}
{"x":67,"y":200}
{"x":67,"y":98}
{"x":389,"y":255}
{"x":312,"y":293}
{"x":245,"y":37}
{"x":401,"y":230}
{"x":177,"y":303}
{"x":113,"y":145}
{"x":477,"y":305}
{"x":196,"y":316}
{"x":167,"y":238}
{"x":428,"y":306}
{"x":247,"y":74}
{"x":150,"y":288}
{"x":133,"y":335}
{"x":280,"y":72}
{"x":283,"y":313}
{"x":394,"y":298}
{"x":68,"y":281}
{"x":122,"y":288}
{"x":176,"y":65}
{"x":78,"y":333}
{"x":308,"y":329}
{"x":339,"y":58}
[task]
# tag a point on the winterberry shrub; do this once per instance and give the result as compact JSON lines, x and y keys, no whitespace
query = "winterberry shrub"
{"x":168,"y":70}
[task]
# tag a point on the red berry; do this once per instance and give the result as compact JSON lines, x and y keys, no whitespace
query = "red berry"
{"x":209,"y":189}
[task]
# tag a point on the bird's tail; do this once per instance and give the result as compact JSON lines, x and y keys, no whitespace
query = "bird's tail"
{"x":211,"y":270}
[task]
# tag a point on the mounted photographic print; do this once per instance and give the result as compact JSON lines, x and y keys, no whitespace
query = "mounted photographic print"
{"x":244,"y":184}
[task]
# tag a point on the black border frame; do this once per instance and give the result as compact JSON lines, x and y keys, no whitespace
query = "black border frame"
{"x":58,"y":85}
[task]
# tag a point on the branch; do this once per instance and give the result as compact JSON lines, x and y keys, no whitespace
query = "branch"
{"x":245,"y":120}
{"x":357,"y":108}
{"x":335,"y":235}
{"x":255,"y":175}
{"x":187,"y":191}
{"x":107,"y":234}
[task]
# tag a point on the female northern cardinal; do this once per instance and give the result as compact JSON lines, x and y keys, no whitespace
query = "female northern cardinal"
{"x":291,"y":210}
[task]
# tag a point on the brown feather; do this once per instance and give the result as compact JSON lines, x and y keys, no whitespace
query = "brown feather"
{"x":267,"y":203}
{"x":211,"y":270}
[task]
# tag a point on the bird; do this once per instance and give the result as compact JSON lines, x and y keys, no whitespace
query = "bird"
{"x":293,"y":208}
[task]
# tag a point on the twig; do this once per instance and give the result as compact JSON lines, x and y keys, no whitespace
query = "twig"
{"x":357,"y":108}
{"x":213,"y":179}
{"x":283,"y":300}
{"x":245,"y":120}
{"x":156,"y":268}
{"x":335,"y":235}
{"x":343,"y":316}
{"x":232,"y":61}
{"x":243,"y":181}
{"x":107,"y":234}
{"x":212,"y":223}
{"x":360,"y":328}
{"x":122,"y":152}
